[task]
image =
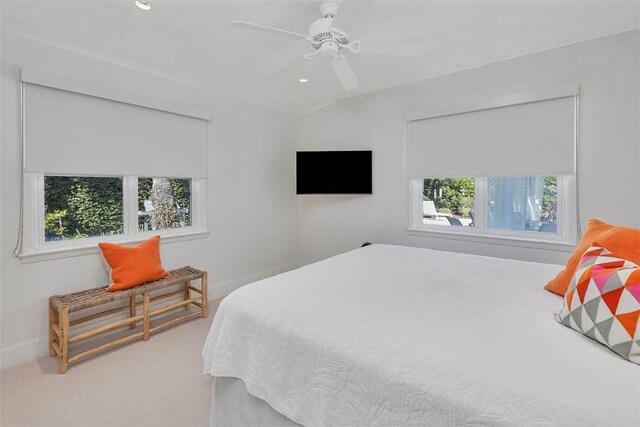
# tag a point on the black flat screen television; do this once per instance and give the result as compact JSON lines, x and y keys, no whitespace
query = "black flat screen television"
{"x":334,"y":172}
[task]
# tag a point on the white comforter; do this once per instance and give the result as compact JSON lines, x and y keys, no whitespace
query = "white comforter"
{"x":391,"y":335}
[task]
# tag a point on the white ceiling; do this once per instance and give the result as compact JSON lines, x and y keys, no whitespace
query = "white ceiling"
{"x":192,"y":42}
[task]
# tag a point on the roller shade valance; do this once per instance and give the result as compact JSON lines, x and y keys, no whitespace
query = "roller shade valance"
{"x":67,"y":132}
{"x":533,"y":138}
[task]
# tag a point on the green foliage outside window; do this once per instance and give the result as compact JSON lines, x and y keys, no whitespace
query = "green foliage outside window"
{"x":53,"y":222}
{"x":451,"y":195}
{"x":77,"y":207}
{"x":550,"y":198}
{"x":457,"y":195}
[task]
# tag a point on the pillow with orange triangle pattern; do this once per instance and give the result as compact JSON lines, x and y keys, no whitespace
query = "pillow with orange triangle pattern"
{"x":130,"y":266}
{"x":623,"y":241}
{"x":603,"y":302}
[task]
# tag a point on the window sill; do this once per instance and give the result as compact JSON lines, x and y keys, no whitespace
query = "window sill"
{"x":92,"y":248}
{"x":492,"y":239}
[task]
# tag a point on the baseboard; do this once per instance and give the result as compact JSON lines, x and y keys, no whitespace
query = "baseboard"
{"x":36,"y":348}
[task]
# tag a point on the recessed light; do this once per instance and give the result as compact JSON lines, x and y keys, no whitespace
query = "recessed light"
{"x":143,"y":4}
{"x":303,"y":80}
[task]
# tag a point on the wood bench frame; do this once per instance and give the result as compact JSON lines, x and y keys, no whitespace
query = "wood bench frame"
{"x":60,"y":306}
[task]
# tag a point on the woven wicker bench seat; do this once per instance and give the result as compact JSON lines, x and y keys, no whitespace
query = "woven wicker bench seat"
{"x":60,"y":306}
{"x":99,"y":296}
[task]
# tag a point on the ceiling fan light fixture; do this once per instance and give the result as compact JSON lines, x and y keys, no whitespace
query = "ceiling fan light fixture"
{"x":329,"y":48}
{"x":303,"y":80}
{"x":143,"y":4}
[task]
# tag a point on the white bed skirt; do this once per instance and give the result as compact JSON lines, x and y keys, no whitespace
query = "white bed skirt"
{"x":232,"y":405}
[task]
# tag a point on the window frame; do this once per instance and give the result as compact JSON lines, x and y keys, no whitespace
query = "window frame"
{"x":567,"y":219}
{"x":36,"y":248}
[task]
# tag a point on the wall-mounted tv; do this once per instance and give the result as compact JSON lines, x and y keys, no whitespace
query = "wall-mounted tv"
{"x":334,"y":172}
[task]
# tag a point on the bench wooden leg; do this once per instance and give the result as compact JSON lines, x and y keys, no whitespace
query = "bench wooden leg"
{"x":63,"y":324}
{"x":204,"y":294}
{"x":145,"y":319}
{"x":132,"y":310}
{"x":187,"y":294}
{"x":52,"y":333}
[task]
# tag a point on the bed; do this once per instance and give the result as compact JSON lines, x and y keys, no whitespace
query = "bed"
{"x":392,"y":335}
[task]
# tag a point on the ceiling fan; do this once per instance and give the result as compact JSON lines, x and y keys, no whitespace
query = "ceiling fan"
{"x":328,"y":39}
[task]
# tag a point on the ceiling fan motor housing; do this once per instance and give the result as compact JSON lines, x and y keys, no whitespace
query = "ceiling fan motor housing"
{"x":320,"y":30}
{"x":323,"y":38}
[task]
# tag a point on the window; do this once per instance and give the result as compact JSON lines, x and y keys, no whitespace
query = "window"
{"x":163,"y":203}
{"x":497,"y":168}
{"x":102,"y":165}
{"x":449,"y":201}
{"x":81,"y":207}
{"x":522,"y":204}
{"x":76,"y":207}
{"x":74,"y":213}
{"x":528,"y":203}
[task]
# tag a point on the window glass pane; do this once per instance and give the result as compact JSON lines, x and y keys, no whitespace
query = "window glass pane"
{"x":78,"y":207}
{"x":527,"y":203}
{"x":449,"y":201}
{"x":163,"y":203}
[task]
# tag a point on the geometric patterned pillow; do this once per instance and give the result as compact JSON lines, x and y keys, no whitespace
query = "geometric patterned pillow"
{"x":603,"y":302}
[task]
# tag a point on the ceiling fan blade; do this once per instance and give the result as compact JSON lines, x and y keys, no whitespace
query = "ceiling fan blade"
{"x":269,"y":30}
{"x":394,"y":41}
{"x":407,"y":48}
{"x":345,"y":73}
{"x":294,"y":63}
{"x":349,"y":13}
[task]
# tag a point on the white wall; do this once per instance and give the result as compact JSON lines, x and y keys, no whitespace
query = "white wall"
{"x":608,"y":153}
{"x":251,"y":194}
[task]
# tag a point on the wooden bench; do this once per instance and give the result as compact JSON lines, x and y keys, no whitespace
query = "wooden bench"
{"x":60,"y":307}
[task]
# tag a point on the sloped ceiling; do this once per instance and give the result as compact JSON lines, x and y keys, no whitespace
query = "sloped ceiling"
{"x":192,"y":41}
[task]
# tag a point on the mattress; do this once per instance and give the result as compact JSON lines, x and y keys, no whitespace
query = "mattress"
{"x":391,"y":335}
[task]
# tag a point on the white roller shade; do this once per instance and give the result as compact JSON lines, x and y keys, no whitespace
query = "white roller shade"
{"x":71,"y":133}
{"x":535,"y":138}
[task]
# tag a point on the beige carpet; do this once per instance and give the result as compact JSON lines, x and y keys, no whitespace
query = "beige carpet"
{"x":155,"y":383}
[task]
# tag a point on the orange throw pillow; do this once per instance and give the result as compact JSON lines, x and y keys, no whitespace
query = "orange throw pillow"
{"x":133,"y":266}
{"x":622,"y":241}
